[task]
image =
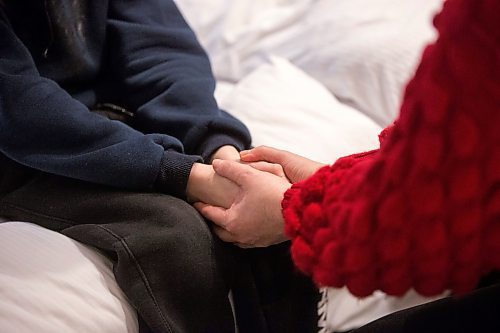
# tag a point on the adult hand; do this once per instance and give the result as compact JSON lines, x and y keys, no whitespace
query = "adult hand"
{"x":230,"y":153}
{"x":254,"y":219}
{"x":296,"y":167}
{"x":206,"y":186}
{"x":273,"y":168}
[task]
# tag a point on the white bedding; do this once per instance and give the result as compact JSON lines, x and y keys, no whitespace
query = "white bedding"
{"x":362,"y":51}
{"x":50,"y":283}
{"x":318,"y":77}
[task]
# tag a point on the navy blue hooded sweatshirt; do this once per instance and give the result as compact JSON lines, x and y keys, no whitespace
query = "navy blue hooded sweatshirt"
{"x":59,"y":59}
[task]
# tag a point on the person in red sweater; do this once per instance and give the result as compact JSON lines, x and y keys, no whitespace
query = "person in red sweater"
{"x":421,"y":212}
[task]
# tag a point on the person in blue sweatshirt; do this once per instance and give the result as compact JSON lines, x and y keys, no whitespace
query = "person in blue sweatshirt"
{"x":108,"y":125}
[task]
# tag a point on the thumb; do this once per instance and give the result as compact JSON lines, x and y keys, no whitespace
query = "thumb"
{"x":234,"y":171}
{"x":263,"y":153}
{"x":275,"y":169}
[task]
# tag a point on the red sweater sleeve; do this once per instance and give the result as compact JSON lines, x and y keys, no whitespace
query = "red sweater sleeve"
{"x":423,"y":211}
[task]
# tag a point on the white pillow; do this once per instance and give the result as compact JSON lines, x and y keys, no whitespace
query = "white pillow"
{"x":50,"y":283}
{"x":285,"y":108}
{"x":362,"y":51}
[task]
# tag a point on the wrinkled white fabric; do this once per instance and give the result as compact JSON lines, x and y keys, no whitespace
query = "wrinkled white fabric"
{"x":50,"y":283}
{"x":343,"y":312}
{"x":287,"y":109}
{"x":362,"y":51}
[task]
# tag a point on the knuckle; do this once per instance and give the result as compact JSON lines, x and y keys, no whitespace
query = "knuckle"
{"x":247,"y":173}
{"x":230,"y":227}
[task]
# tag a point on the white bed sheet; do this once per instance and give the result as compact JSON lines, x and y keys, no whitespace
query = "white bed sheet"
{"x":50,"y":283}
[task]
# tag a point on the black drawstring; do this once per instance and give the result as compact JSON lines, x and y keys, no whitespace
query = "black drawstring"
{"x":51,"y":31}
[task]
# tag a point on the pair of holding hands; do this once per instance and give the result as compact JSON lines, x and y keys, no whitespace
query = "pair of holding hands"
{"x":241,"y":193}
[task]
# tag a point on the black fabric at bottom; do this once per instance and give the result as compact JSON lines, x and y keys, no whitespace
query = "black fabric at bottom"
{"x":271,"y":295}
{"x":478,"y":311}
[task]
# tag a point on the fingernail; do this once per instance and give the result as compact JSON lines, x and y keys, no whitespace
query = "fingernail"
{"x":216,"y":162}
{"x":244,"y":152}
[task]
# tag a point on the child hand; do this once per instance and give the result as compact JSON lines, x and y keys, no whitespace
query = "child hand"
{"x":206,"y":186}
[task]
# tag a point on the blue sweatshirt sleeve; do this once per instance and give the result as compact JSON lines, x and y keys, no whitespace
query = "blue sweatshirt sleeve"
{"x":44,"y":128}
{"x":166,"y":77}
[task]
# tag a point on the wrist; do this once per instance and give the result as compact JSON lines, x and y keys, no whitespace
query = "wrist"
{"x":225,"y":153}
{"x":197,"y":181}
{"x":315,"y":168}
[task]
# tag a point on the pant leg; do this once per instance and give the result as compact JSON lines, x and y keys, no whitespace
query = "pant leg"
{"x":478,"y":311}
{"x":271,"y":295}
{"x":166,"y":260}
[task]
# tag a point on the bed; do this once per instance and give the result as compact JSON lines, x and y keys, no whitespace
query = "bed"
{"x":317,"y":77}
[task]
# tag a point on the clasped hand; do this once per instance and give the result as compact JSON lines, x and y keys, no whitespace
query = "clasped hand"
{"x":243,"y":198}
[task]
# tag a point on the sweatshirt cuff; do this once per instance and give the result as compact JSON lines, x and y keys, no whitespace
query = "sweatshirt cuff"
{"x":174,"y":173}
{"x":214,"y":142}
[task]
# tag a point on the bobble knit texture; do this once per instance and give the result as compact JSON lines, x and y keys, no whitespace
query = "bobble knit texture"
{"x":423,"y":211}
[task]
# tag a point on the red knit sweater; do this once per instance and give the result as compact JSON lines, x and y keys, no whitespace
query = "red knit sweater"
{"x":423,"y":211}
